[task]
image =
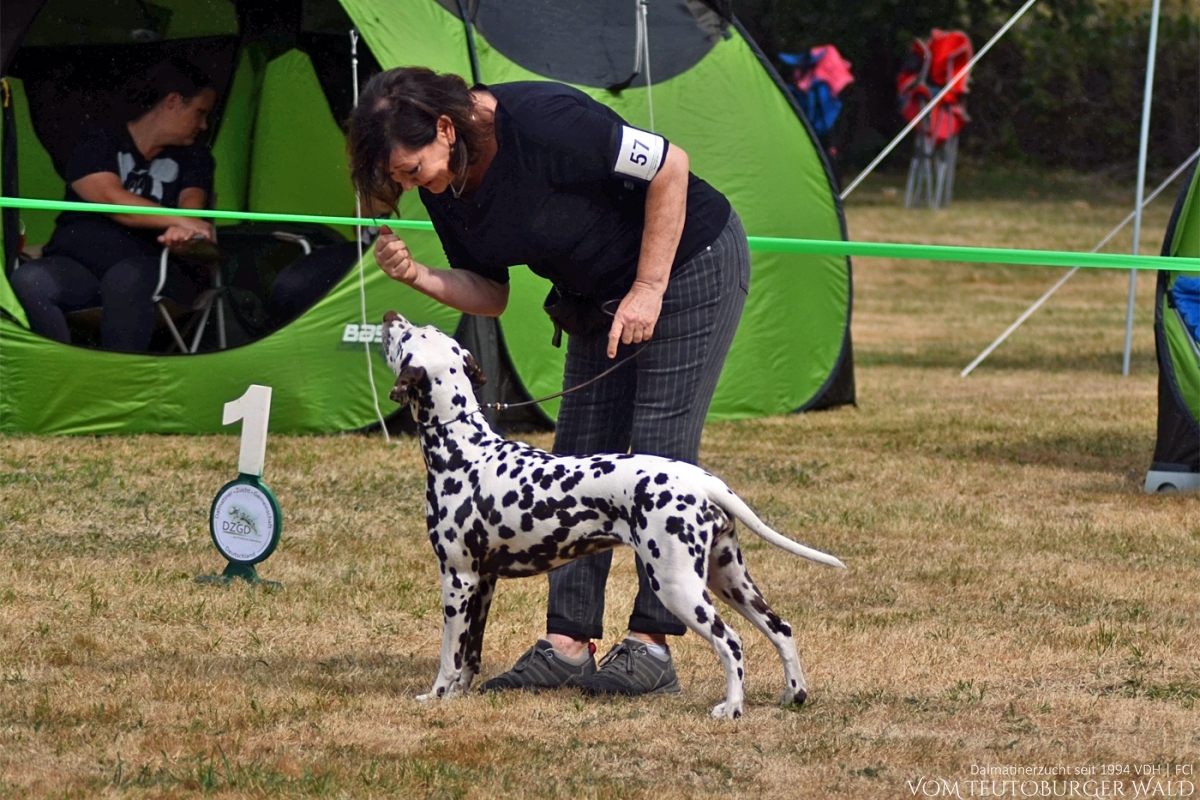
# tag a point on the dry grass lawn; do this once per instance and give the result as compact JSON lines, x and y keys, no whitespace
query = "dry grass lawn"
{"x":1013,"y":598}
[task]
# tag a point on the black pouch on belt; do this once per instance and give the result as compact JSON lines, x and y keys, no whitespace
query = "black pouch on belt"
{"x":575,"y":314}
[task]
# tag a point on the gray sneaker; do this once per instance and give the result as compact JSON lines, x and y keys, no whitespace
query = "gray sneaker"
{"x":540,"y":668}
{"x":630,"y":668}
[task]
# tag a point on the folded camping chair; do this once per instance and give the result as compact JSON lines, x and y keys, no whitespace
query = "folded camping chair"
{"x":201,"y":309}
{"x":250,"y":256}
{"x":929,"y":67}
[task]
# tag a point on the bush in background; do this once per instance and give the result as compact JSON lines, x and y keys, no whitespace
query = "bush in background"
{"x":1063,"y":88}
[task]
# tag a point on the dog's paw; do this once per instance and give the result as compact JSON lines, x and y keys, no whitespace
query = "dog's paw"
{"x":793,"y":697}
{"x":726,"y":710}
{"x":440,"y":693}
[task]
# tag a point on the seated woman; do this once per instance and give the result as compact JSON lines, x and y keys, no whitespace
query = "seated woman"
{"x":113,"y":260}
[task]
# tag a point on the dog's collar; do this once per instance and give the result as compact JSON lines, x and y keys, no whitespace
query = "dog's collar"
{"x":462,"y":417}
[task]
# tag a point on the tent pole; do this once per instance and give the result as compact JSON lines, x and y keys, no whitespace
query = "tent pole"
{"x":644,"y":23}
{"x":470,"y":29}
{"x":933,"y":103}
{"x":1029,"y":311}
{"x":358,"y":238}
{"x":1147,"y":96}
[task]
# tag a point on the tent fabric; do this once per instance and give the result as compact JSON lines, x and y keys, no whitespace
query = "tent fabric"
{"x":280,"y":149}
{"x":594,"y":43}
{"x":1178,"y":445}
{"x":39,"y":179}
{"x":722,"y":105}
{"x":298,"y":150}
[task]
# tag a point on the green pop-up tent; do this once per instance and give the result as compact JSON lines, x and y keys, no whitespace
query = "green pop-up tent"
{"x":284,"y":69}
{"x":1176,"y":462}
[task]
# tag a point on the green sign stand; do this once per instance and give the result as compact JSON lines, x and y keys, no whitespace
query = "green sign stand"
{"x":245,"y":521}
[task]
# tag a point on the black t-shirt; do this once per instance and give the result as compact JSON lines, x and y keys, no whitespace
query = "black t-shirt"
{"x":566,"y":195}
{"x":160,"y":179}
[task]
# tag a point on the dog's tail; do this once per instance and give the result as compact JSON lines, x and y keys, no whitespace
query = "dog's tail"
{"x":724,"y":497}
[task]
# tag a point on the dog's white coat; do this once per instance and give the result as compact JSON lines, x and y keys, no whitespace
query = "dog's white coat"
{"x":497,"y":508}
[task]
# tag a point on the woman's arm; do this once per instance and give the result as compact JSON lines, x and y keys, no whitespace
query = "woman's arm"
{"x":176,"y":235}
{"x":457,"y":288}
{"x":105,"y":187}
{"x":666,"y":210}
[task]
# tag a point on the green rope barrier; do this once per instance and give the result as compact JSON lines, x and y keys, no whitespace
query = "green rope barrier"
{"x":928,"y":252}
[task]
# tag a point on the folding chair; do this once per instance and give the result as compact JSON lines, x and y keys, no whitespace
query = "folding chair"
{"x":930,"y":66}
{"x":202,"y":307}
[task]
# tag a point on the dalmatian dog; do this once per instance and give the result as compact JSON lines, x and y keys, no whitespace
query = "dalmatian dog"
{"x":502,"y":509}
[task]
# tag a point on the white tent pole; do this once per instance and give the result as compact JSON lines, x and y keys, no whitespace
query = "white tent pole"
{"x":644,"y":24}
{"x":1029,"y":311}
{"x":933,"y":103}
{"x":1147,"y":96}
{"x":362,"y":278}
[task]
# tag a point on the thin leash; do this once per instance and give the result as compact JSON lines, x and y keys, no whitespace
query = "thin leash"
{"x":589,"y":382}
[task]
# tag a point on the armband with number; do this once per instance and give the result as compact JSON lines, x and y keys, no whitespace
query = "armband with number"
{"x":640,"y":154}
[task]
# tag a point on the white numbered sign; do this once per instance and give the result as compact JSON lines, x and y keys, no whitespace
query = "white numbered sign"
{"x":254,"y":410}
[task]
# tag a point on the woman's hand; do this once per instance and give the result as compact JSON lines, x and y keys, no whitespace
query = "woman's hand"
{"x":636,"y":316}
{"x":185,"y":230}
{"x":391,"y":253}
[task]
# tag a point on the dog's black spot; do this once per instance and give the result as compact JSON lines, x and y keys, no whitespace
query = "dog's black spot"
{"x":464,"y":511}
{"x":674,"y":526}
{"x":526,"y":522}
{"x":701,"y":615}
{"x":451,"y":487}
{"x":735,"y":647}
{"x":487,"y":508}
{"x":664,"y":497}
{"x":653,"y":580}
{"x":450,"y":611}
{"x":500,"y":470}
{"x":652,"y":546}
{"x":509,"y":498}
{"x":777,"y":625}
{"x":506,"y":532}
{"x":738,"y":597}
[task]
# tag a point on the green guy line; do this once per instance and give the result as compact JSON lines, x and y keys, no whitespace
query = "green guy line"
{"x":928,"y":252}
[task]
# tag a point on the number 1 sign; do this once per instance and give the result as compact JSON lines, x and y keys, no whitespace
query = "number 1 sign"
{"x":245,"y":521}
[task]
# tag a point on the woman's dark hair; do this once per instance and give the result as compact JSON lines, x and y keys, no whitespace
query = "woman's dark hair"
{"x":401,"y":107}
{"x":174,"y":75}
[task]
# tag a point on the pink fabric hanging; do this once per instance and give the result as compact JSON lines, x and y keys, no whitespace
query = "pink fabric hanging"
{"x":831,"y":68}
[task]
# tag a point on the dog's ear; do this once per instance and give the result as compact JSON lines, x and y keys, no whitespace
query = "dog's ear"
{"x":409,"y":377}
{"x":474,"y":371}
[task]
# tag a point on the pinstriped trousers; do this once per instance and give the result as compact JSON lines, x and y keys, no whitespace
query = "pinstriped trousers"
{"x":655,"y":404}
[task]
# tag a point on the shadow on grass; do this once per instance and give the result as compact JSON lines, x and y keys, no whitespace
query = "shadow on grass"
{"x":1102,"y":451}
{"x":957,"y":359}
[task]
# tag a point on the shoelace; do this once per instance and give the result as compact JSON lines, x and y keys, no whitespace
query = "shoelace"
{"x":620,"y":650}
